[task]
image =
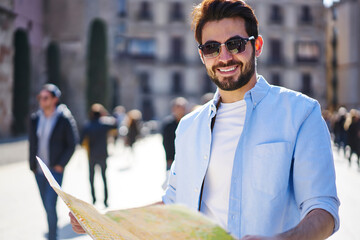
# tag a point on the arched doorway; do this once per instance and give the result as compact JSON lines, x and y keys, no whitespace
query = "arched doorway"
{"x":98,"y":84}
{"x":21,"y":86}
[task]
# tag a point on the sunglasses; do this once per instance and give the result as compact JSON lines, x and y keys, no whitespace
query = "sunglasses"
{"x":233,"y":45}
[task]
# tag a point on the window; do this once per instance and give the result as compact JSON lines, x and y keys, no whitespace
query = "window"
{"x":306,"y":84}
{"x":145,"y":12}
{"x":143,"y":48}
{"x":306,"y":16}
{"x":176,"y":49}
{"x":307,"y":51}
{"x":147,"y":109}
{"x":144,"y":83}
{"x":120,"y":39}
{"x":176,"y":12}
{"x":275,"y":52}
{"x":276,"y":16}
{"x":122,"y":8}
{"x":276,"y":79}
{"x":177,"y":87}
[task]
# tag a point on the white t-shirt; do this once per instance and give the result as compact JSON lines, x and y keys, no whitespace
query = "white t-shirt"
{"x":229,"y":123}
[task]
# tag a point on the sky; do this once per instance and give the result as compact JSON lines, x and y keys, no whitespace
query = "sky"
{"x":328,"y":3}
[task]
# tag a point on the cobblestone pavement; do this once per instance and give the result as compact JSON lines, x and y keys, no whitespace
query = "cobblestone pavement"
{"x":23,"y":217}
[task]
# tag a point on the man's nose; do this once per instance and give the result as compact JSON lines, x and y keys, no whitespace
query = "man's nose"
{"x":224,"y":55}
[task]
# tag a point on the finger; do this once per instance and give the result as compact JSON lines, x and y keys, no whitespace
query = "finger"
{"x":75,"y":224}
{"x":77,"y":229}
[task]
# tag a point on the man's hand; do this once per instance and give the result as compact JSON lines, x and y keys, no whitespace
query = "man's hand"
{"x":58,"y":169}
{"x":75,"y":224}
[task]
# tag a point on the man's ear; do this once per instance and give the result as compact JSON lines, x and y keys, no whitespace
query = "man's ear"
{"x":201,"y":56}
{"x":258,"y":45}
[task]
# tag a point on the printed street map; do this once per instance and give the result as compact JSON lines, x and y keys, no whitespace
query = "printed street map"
{"x":157,"y":222}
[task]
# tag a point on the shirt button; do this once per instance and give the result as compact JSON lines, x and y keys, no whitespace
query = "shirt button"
{"x":205,"y":156}
{"x":233,"y":217}
{"x":196,"y":189}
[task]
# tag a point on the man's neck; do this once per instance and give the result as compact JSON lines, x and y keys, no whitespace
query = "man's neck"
{"x":49,"y":112}
{"x":238,"y":94}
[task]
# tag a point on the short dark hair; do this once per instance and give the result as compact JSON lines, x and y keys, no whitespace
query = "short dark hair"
{"x":214,"y":10}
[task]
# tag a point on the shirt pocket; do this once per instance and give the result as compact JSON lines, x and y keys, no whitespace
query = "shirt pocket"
{"x":270,"y":168}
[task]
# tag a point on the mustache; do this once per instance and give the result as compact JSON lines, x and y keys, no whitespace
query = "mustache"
{"x":227,"y":64}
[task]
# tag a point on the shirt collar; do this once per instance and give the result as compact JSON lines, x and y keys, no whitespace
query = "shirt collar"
{"x":259,"y":91}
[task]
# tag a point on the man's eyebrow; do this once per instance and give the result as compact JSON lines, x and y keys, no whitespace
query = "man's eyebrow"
{"x":231,"y":38}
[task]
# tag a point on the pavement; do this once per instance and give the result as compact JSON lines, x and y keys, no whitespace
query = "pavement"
{"x":134,"y":178}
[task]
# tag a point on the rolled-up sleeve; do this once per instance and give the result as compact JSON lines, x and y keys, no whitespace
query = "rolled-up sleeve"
{"x":314,"y":171}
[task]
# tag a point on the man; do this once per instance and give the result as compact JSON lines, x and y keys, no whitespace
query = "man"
{"x":263,"y":163}
{"x":178,"y":110}
{"x":52,"y":137}
{"x":257,"y":159}
{"x":96,"y":135}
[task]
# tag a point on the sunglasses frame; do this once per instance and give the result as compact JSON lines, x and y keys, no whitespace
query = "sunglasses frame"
{"x":245,"y":40}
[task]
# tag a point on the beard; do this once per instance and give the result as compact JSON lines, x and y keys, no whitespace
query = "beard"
{"x":231,"y":83}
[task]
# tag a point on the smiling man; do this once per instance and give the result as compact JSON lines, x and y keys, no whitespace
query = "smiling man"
{"x":257,"y":158}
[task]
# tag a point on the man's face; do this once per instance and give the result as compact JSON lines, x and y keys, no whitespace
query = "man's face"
{"x":228,"y":71}
{"x":46,"y":100}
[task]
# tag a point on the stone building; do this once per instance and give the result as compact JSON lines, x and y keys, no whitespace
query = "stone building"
{"x":7,"y":17}
{"x":343,"y":18}
{"x":294,"y":45}
{"x":157,"y":56}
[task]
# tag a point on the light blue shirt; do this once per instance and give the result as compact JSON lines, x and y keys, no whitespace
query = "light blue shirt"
{"x":283,"y":166}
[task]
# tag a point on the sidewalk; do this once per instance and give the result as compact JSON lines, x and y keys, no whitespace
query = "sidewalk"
{"x":14,"y":150}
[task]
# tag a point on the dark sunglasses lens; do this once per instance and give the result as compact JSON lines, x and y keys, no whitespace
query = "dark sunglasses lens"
{"x":235,"y":46}
{"x":211,"y":49}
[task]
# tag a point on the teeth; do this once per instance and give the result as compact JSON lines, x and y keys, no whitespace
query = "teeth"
{"x":227,"y":70}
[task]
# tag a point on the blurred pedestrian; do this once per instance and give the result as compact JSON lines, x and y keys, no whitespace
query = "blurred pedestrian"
{"x":339,"y":130}
{"x":133,"y":125}
{"x":353,"y":133}
{"x":52,"y":137}
{"x":119,"y":113}
{"x":95,"y":133}
{"x":178,"y":110}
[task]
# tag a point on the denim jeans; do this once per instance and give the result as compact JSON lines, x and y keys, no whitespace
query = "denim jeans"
{"x":49,"y":198}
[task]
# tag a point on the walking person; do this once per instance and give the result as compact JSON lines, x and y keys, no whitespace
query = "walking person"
{"x":95,"y":133}
{"x":257,"y":159}
{"x":353,"y":133}
{"x":133,"y":123}
{"x":178,"y":110}
{"x":52,"y":137}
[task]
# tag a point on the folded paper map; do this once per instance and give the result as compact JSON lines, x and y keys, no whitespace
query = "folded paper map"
{"x":155,"y":222}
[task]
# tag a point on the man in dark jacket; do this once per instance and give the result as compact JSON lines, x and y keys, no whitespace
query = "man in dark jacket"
{"x":95,"y":135}
{"x":52,"y":137}
{"x":178,"y":109}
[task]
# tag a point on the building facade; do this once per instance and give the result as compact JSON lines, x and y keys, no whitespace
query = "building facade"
{"x":294,"y":45}
{"x":7,"y":18}
{"x":343,"y":65}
